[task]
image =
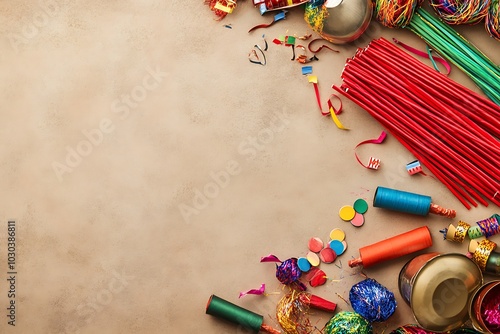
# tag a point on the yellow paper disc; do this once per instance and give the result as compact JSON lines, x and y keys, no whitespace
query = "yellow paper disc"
{"x":337,"y":234}
{"x":347,"y":213}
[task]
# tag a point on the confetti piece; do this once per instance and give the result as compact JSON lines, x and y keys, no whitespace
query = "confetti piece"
{"x":373,"y":163}
{"x":334,"y":112}
{"x":360,"y":206}
{"x":337,"y":234}
{"x":414,"y":167}
{"x":307,"y":70}
{"x":304,"y":264}
{"x":321,"y":47}
{"x":337,"y":246}
{"x":253,"y":57}
{"x":315,"y":245}
{"x":347,"y":213}
{"x":358,"y":220}
{"x":278,"y":17}
{"x":318,"y":279}
{"x":270,"y":258}
{"x":259,"y":291}
{"x":312,"y":78}
{"x":289,"y":40}
{"x":222,"y":7}
{"x":313,"y":259}
{"x":327,"y":255}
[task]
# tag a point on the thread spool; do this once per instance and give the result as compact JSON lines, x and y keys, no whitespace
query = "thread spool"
{"x":403,"y":201}
{"x":438,"y":288}
{"x":223,"y":309}
{"x":394,"y":247}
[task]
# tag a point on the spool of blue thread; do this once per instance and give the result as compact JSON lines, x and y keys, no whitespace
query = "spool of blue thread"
{"x":403,"y":201}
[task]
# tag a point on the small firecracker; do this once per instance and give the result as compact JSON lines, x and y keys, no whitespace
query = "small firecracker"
{"x":221,"y":7}
{"x":484,"y":228}
{"x":270,"y":5}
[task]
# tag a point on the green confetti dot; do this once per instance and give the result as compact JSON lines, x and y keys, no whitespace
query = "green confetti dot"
{"x":360,"y":206}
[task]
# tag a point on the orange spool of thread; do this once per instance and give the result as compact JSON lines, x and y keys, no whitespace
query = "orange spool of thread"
{"x":397,"y":246}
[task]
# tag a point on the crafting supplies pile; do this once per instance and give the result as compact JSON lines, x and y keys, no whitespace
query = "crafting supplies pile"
{"x":452,"y":131}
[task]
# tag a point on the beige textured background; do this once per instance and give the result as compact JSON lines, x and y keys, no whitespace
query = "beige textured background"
{"x":102,"y":246}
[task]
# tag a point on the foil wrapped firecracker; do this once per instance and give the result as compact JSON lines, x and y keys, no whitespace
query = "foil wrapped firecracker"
{"x":223,"y":309}
{"x":270,"y":5}
{"x":484,"y":228}
{"x":483,"y":254}
{"x":292,"y":311}
{"x":221,"y":7}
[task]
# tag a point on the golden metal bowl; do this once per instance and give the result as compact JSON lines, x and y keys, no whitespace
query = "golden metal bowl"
{"x":340,"y":21}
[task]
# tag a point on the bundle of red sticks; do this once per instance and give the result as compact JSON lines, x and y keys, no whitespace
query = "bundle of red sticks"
{"x":452,"y":130}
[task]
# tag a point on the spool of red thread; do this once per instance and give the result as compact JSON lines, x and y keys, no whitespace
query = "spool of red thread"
{"x":397,"y":246}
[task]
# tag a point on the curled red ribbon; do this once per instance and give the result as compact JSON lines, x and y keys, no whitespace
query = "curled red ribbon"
{"x":373,"y":163}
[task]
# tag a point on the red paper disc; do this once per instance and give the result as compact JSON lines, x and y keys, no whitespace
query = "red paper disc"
{"x":315,"y":245}
{"x":327,"y":255}
{"x":318,"y":279}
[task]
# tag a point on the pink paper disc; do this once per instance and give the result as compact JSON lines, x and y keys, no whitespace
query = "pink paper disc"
{"x":358,"y":220}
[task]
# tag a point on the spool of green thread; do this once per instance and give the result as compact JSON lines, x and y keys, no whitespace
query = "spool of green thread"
{"x":221,"y":308}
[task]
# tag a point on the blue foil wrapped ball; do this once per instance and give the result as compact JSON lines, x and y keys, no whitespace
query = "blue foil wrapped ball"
{"x":372,"y":300}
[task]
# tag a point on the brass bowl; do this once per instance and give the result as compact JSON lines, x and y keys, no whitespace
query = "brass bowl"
{"x":342,"y":21}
